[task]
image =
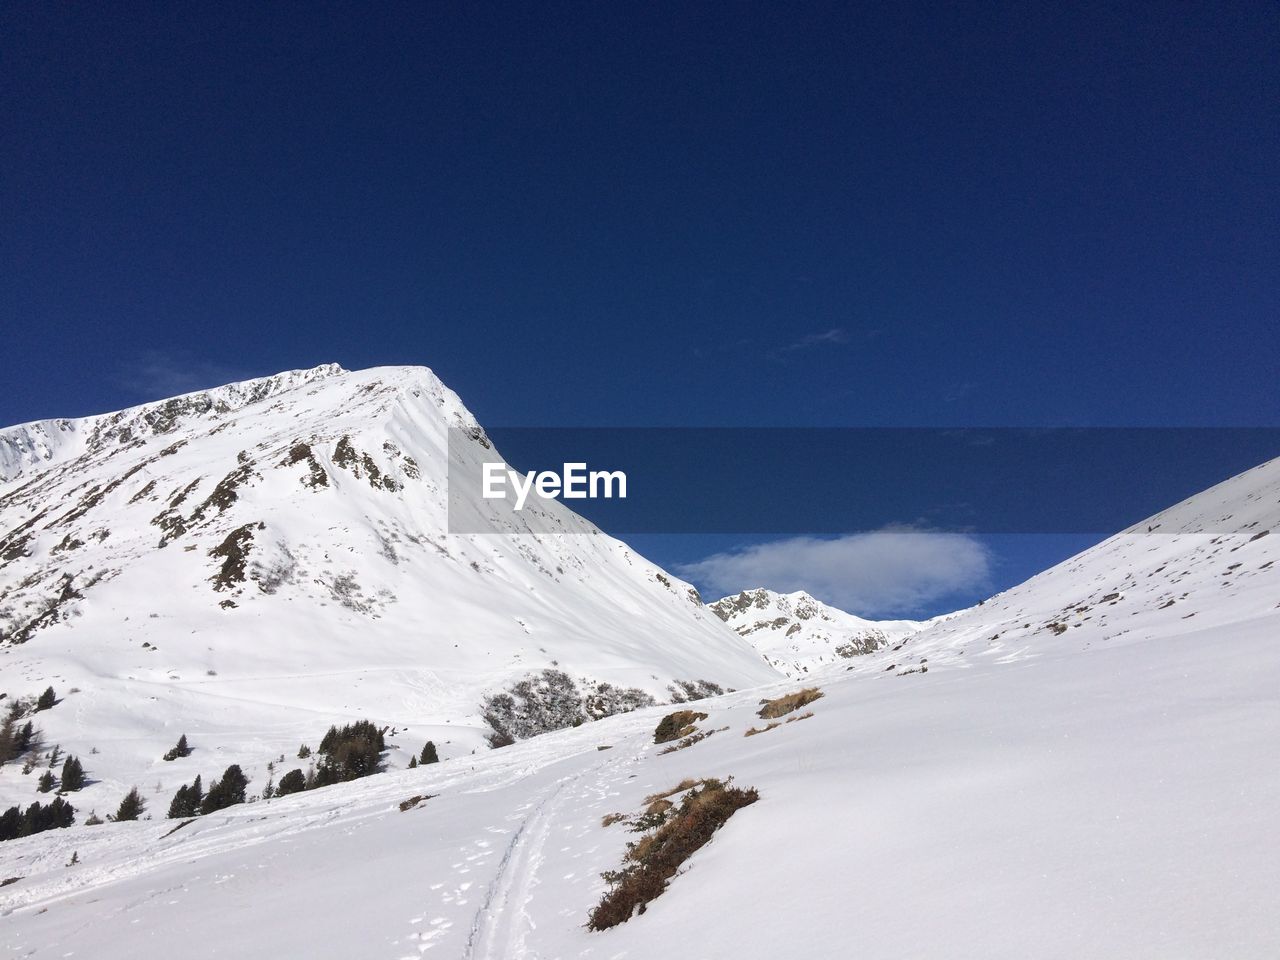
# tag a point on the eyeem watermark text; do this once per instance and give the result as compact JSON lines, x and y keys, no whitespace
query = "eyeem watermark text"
{"x":575,"y":482}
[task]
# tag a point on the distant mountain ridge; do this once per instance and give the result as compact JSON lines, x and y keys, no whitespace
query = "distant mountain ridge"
{"x":796,"y":633}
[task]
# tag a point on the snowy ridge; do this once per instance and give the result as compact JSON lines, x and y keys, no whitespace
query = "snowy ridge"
{"x":28,"y":448}
{"x":1172,"y":574}
{"x":250,"y":564}
{"x":796,"y":633}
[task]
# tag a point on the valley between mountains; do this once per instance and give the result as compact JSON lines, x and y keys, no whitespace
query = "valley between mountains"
{"x":1081,"y":766}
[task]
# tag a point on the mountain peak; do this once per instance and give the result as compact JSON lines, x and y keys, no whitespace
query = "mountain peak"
{"x":796,"y":632}
{"x":283,"y":544}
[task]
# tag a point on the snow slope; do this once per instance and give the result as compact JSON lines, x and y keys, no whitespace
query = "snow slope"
{"x":796,"y":633}
{"x":250,"y":564}
{"x":1005,"y":784}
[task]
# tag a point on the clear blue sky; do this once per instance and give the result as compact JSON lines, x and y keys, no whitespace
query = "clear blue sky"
{"x":652,"y":214}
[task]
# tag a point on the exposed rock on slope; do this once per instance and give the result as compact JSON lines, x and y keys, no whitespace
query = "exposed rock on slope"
{"x":795,"y":632}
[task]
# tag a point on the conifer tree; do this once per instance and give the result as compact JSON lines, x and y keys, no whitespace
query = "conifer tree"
{"x":25,"y":737}
{"x":180,"y":805}
{"x":291,"y":782}
{"x":429,"y":754}
{"x":46,"y":782}
{"x":227,"y":791}
{"x":47,"y":699}
{"x":131,"y":807}
{"x":8,"y":741}
{"x":72,"y":775}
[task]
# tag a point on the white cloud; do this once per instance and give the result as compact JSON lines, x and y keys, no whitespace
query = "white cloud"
{"x":836,"y":335}
{"x":880,"y":574}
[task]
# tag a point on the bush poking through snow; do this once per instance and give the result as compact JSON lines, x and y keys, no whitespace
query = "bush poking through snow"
{"x":690,"y":740}
{"x":686,"y":691}
{"x":539,"y":703}
{"x":605,"y":700}
{"x":653,"y":860}
{"x":675,"y":726}
{"x":781,"y":706}
{"x":551,"y":700}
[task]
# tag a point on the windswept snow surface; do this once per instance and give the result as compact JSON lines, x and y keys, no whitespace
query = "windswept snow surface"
{"x":1081,"y":767}
{"x":250,"y":564}
{"x":796,"y":632}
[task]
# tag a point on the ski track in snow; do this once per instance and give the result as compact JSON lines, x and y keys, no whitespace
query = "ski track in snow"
{"x":503,"y":920}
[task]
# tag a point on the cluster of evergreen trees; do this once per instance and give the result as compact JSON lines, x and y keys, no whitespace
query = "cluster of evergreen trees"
{"x":72,"y":778}
{"x":227,"y":791}
{"x":428,"y":755}
{"x":345,"y":753}
{"x":17,"y":738}
{"x":37,"y":818}
{"x":349,"y":752}
{"x":180,"y":749}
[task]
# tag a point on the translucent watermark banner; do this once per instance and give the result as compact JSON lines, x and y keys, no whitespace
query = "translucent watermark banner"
{"x":851,"y":480}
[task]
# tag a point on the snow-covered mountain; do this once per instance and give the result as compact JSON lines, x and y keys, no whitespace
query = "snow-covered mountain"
{"x":796,"y":633}
{"x":249,"y":564}
{"x":1080,"y":767}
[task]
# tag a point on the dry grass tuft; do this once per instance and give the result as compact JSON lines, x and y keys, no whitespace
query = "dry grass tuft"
{"x":407,"y":805}
{"x":676,"y":725}
{"x":754,"y":730}
{"x":610,"y":819}
{"x":657,"y":808}
{"x":653,"y":860}
{"x":781,"y":706}
{"x":680,"y":787}
{"x":802,"y":716}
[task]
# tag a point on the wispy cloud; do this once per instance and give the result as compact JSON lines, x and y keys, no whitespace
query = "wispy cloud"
{"x":157,"y":374}
{"x":884,"y":573}
{"x":836,"y":335}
